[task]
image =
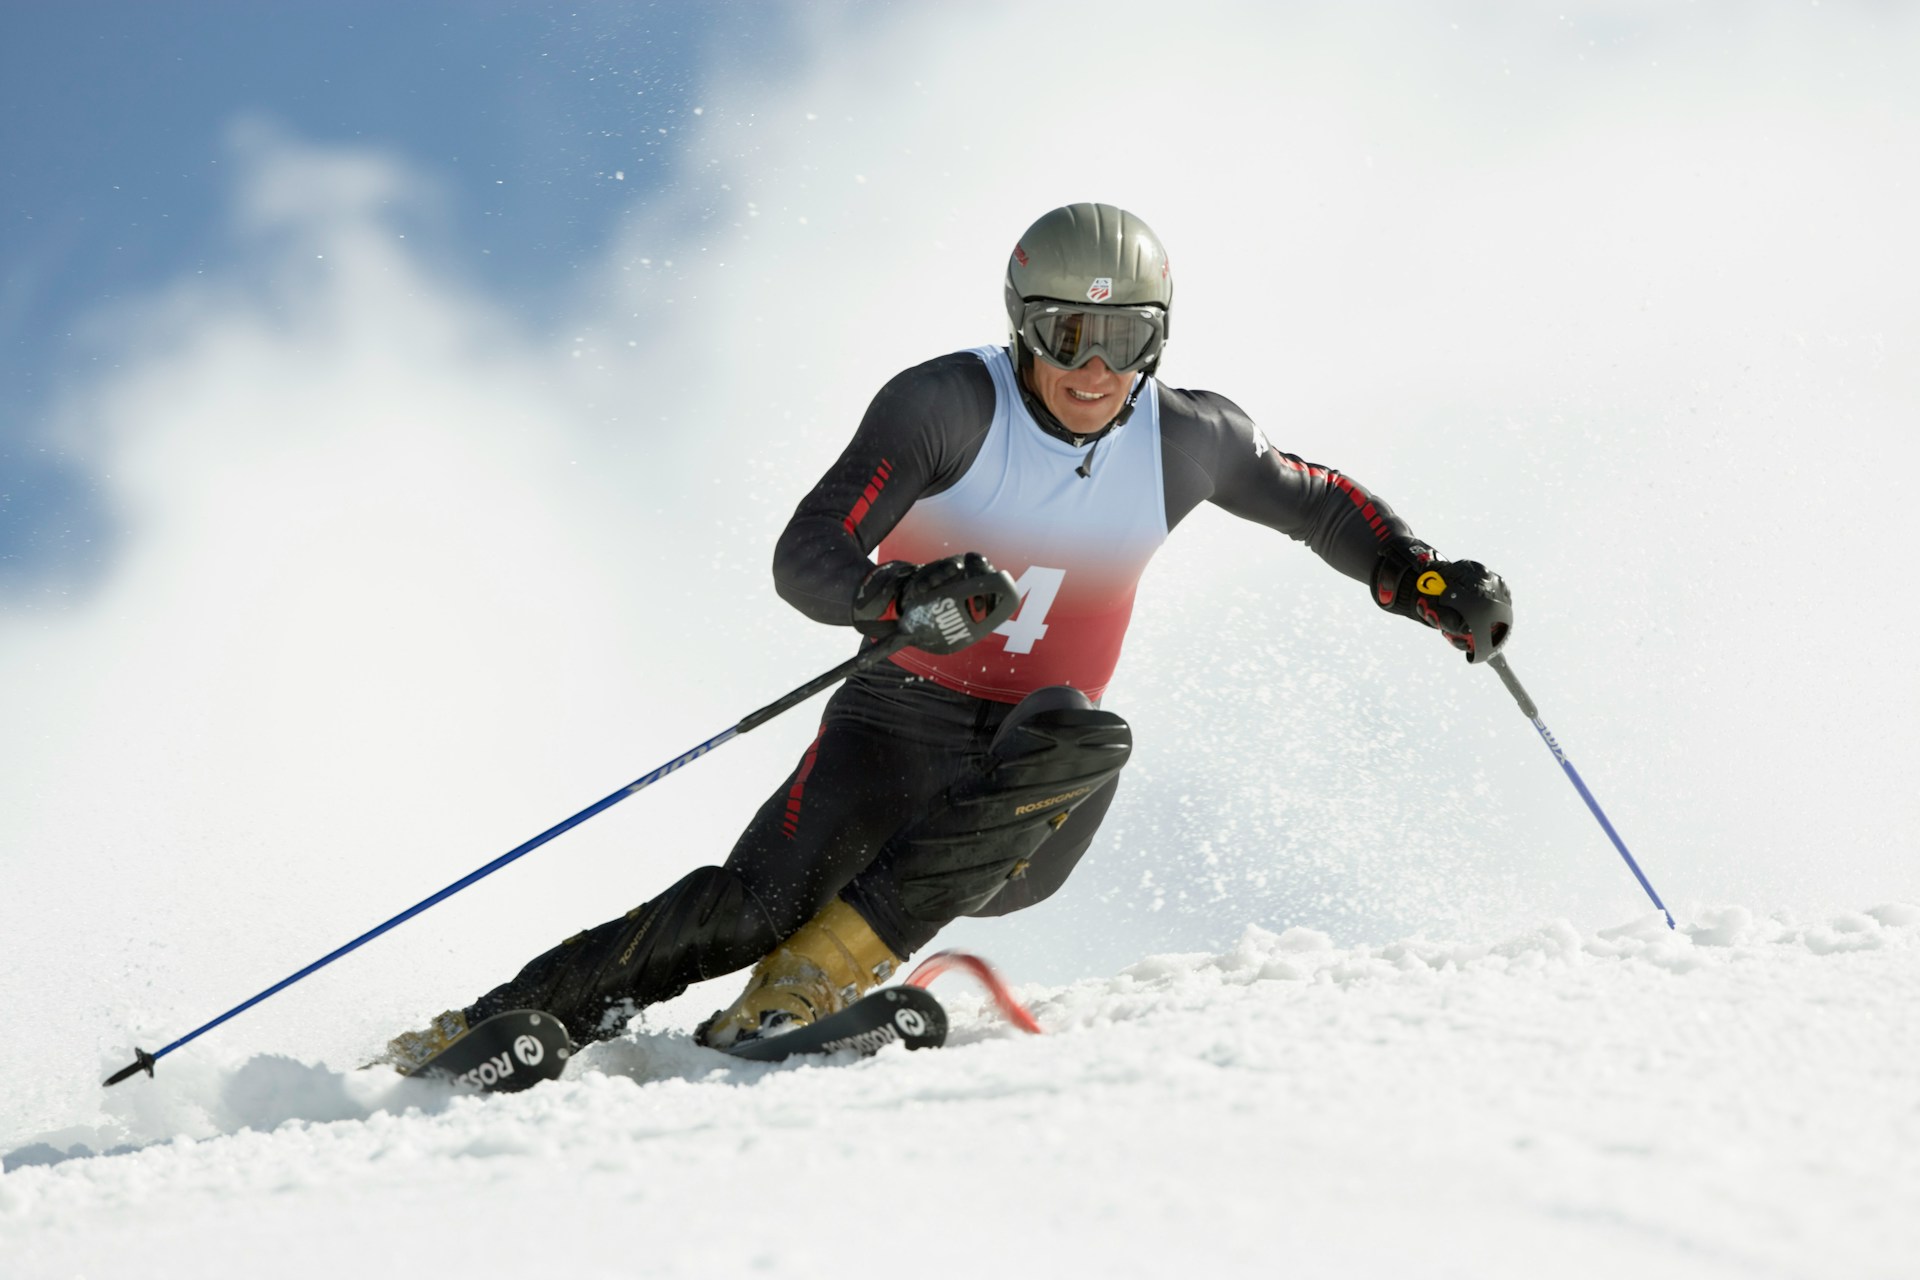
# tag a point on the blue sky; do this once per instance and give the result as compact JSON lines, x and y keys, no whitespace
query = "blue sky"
{"x":523,"y":111}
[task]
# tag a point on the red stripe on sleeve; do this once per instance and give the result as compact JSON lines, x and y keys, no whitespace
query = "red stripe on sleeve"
{"x":868,"y":496}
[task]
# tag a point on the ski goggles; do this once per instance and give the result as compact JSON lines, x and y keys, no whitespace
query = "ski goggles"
{"x":1068,"y":335}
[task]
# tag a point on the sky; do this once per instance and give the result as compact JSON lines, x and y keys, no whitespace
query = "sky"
{"x":402,"y":401}
{"x":523,"y":112}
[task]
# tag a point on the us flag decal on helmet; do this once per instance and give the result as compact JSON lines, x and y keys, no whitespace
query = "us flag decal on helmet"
{"x":1100,"y":290}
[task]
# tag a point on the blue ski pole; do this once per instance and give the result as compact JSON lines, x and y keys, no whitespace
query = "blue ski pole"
{"x":143,"y":1061}
{"x":1499,"y":664}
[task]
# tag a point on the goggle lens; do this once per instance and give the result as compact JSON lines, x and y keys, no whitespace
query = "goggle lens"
{"x":1068,"y":336}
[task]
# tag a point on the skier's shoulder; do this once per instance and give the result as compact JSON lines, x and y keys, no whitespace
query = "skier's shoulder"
{"x":1199,"y":423}
{"x":955,"y":384}
{"x":928,"y":420}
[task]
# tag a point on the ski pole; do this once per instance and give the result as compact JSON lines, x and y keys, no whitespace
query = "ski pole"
{"x":1499,"y":663}
{"x":144,"y":1061}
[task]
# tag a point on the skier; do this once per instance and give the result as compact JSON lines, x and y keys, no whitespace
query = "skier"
{"x":964,"y":778}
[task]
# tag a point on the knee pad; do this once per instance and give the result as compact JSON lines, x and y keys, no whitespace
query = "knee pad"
{"x":1054,"y":750}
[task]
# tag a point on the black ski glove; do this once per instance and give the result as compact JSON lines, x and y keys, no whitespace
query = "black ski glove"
{"x":941,"y":606}
{"x":1468,"y":605}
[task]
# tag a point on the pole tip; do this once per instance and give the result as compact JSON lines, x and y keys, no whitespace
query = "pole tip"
{"x":142,"y":1061}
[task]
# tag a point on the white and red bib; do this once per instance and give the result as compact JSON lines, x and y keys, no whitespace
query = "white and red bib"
{"x":1075,"y":544}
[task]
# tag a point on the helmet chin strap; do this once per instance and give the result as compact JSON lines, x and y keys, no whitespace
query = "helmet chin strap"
{"x":1052,"y":425}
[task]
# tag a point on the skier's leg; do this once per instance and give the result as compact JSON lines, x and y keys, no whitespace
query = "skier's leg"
{"x":872,"y":773}
{"x":824,"y":966}
{"x":803,"y":844}
{"x":852,"y":790}
{"x":1049,"y":775}
{"x":706,"y":925}
{"x":1056,"y":858}
{"x":1005,"y":839}
{"x":904,"y":750}
{"x":885,"y":749}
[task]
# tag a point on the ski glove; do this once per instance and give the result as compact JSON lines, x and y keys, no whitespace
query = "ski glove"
{"x":1468,"y":605}
{"x":941,"y":606}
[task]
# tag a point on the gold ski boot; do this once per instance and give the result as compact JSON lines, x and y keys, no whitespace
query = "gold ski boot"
{"x":833,"y":960}
{"x":406,"y":1052}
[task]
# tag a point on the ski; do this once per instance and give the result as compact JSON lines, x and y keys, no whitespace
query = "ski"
{"x":506,"y":1053}
{"x":517,"y":1050}
{"x":906,"y":1014}
{"x":942,"y":961}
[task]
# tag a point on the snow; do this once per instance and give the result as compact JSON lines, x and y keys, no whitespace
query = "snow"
{"x":1734,"y":1099}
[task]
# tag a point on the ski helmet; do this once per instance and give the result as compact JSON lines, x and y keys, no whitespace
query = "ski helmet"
{"x":1090,"y":258}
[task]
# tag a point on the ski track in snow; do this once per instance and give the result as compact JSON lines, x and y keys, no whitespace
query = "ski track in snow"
{"x":1736,"y":1099}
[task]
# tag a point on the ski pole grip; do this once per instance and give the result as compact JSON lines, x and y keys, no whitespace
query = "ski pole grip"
{"x":1499,"y":663}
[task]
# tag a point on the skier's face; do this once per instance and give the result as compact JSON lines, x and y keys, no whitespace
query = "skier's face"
{"x":1084,"y":399}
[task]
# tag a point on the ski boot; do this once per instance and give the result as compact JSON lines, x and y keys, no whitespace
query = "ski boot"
{"x":407,"y":1051}
{"x":833,"y":960}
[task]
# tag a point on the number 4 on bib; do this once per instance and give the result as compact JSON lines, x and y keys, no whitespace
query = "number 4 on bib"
{"x":1038,"y":587}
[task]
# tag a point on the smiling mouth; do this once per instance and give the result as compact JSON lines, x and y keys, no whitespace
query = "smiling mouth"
{"x":1086,"y":395}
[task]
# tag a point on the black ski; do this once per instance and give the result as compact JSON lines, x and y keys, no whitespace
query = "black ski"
{"x":517,"y":1050}
{"x":506,"y":1053}
{"x":868,"y":1025}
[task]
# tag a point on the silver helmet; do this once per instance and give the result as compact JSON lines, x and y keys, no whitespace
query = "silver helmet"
{"x":1097,"y":262}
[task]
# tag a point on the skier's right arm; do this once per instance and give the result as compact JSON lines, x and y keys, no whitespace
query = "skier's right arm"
{"x":918,"y":436}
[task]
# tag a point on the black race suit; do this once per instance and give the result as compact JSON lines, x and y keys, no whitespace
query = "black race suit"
{"x":893,"y":743}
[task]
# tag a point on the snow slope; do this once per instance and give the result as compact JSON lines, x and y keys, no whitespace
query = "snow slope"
{"x":1736,"y":1099}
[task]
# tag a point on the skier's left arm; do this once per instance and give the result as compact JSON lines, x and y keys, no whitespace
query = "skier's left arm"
{"x":1214,"y":452}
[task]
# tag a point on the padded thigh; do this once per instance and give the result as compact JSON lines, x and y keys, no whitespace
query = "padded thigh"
{"x":908,"y":778}
{"x":1042,"y":767}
